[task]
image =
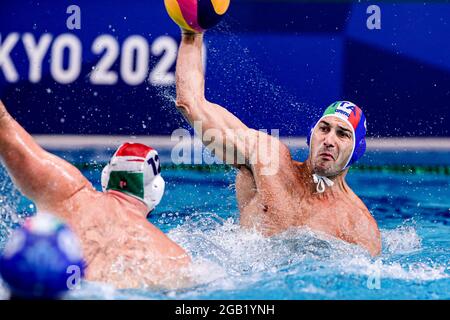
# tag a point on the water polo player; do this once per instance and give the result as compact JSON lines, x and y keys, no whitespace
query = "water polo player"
{"x":275,"y":192}
{"x":120,"y":245}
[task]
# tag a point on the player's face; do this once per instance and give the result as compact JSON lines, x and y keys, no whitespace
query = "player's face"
{"x":331,"y":146}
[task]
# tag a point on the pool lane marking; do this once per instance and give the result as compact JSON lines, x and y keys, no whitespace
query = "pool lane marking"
{"x":163,"y":142}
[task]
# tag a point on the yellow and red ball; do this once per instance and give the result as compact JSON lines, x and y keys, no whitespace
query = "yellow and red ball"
{"x":196,"y":15}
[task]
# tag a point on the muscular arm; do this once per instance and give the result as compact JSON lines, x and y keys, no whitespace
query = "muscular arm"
{"x":42,"y":177}
{"x":231,"y":140}
{"x":219,"y":126}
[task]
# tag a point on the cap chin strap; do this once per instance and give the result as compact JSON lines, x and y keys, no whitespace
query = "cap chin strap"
{"x":321,"y":182}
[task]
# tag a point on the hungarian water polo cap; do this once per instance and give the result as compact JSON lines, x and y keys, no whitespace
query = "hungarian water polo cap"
{"x":353,"y":115}
{"x":42,"y":259}
{"x":135,"y":170}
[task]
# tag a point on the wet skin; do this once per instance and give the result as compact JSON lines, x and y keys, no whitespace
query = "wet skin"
{"x":277,"y":192}
{"x":120,"y":245}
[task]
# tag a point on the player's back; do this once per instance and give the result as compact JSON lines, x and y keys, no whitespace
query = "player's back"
{"x":120,"y":245}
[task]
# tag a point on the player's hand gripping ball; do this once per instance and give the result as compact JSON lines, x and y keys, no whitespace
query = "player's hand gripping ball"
{"x":196,"y":15}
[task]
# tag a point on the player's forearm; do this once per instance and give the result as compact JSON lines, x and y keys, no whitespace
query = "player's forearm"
{"x":190,"y":82}
{"x":15,"y":142}
{"x":17,"y":151}
{"x":41,"y":176}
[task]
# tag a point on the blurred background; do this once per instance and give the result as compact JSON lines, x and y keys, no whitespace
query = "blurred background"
{"x":275,"y":64}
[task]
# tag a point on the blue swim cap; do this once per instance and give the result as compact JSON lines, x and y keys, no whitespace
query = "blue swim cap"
{"x":42,"y":259}
{"x":354,"y":116}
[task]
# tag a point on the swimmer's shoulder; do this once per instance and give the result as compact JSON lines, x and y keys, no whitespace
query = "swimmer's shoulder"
{"x":72,"y":206}
{"x":360,"y":209}
{"x":355,"y":200}
{"x":360,"y":212}
{"x":85,"y":189}
{"x":273,"y":147}
{"x":365,"y":230}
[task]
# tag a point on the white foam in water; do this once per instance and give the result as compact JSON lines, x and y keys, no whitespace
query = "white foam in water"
{"x":394,"y":270}
{"x":9,"y":199}
{"x":313,"y":289}
{"x":227,"y":257}
{"x":403,"y":239}
{"x":244,"y":254}
{"x":93,"y":290}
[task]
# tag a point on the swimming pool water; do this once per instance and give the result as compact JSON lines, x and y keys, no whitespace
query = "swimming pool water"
{"x":199,"y":211}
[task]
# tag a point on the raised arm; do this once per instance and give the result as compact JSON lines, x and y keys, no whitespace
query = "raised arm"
{"x":232,"y":141}
{"x":42,"y":177}
{"x":218,"y":124}
{"x":190,"y":82}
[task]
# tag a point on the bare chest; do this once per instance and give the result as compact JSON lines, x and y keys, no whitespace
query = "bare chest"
{"x":293,"y":207}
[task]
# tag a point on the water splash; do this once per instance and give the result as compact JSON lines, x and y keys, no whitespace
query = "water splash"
{"x":403,"y":239}
{"x":244,"y":253}
{"x":94,"y":291}
{"x":9,"y":202}
{"x":229,"y":259}
{"x":304,"y":263}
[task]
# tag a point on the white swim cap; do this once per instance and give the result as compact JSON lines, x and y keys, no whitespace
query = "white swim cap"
{"x":135,"y":170}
